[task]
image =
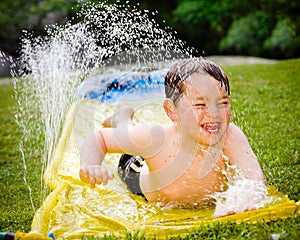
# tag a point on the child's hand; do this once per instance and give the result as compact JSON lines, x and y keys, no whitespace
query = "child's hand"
{"x":95,"y":174}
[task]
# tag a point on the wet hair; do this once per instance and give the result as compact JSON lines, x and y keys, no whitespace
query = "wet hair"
{"x":178,"y":73}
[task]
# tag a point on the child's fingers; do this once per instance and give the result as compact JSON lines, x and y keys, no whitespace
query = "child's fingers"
{"x":84,"y":174}
{"x":92,"y":182}
{"x":110,"y":176}
{"x":104,"y":176}
{"x":94,"y":175}
{"x":99,"y":174}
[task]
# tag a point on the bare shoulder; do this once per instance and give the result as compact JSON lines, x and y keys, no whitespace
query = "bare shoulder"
{"x":233,"y":128}
{"x":236,"y":142}
{"x":235,"y":134}
{"x":240,"y":153}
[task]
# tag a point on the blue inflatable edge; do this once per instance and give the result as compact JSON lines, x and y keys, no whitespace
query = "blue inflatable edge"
{"x":132,"y":84}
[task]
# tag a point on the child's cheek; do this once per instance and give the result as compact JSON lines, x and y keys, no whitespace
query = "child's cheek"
{"x":199,"y":114}
{"x":227,"y":112}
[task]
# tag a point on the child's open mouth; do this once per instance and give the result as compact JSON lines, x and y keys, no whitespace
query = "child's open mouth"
{"x":211,"y":127}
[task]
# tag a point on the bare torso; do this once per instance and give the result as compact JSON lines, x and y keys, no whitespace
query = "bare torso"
{"x":175,"y":175}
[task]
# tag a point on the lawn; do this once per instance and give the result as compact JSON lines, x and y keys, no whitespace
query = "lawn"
{"x":265,"y":104}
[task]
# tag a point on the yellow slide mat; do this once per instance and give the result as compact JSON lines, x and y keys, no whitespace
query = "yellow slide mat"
{"x":73,"y":209}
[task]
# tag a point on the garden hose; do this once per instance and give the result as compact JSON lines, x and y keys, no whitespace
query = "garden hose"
{"x":7,"y":236}
{"x":24,"y":236}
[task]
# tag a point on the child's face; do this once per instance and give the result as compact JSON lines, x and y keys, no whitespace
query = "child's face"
{"x":204,"y":109}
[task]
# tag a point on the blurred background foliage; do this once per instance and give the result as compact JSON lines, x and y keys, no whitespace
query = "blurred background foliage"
{"x":264,"y":28}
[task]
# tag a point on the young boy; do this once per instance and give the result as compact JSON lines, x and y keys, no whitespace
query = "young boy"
{"x":184,"y":162}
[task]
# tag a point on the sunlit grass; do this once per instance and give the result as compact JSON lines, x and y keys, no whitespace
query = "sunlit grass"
{"x":265,"y":104}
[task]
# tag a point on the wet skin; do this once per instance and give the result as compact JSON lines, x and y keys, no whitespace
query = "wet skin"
{"x":184,"y":161}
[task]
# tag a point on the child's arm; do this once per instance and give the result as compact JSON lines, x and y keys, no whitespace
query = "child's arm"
{"x":92,"y":154}
{"x":122,"y":116}
{"x":144,"y":140}
{"x":94,"y":149}
{"x":244,"y":194}
{"x":240,"y":153}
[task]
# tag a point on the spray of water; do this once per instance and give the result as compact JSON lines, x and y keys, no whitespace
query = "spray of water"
{"x":51,"y":67}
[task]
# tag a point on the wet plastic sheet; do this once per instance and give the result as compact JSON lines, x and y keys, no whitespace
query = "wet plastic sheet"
{"x":73,"y":210}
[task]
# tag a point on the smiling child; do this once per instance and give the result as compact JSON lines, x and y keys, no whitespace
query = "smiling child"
{"x":182,"y":163}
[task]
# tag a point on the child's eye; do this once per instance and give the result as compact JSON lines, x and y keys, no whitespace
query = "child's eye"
{"x":224,"y":103}
{"x":199,"y":105}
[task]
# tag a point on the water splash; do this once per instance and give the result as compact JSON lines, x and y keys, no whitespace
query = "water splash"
{"x":50,"y":68}
{"x":242,"y":194}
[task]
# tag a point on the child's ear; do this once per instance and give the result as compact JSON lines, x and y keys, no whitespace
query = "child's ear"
{"x":170,"y":110}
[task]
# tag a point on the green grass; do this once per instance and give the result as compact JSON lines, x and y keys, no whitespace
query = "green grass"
{"x":16,"y":211}
{"x":265,"y":104}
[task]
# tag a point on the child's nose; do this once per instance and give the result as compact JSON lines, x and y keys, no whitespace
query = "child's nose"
{"x":213,"y":112}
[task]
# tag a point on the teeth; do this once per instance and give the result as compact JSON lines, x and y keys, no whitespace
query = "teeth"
{"x":212,"y":124}
{"x":211,"y":127}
